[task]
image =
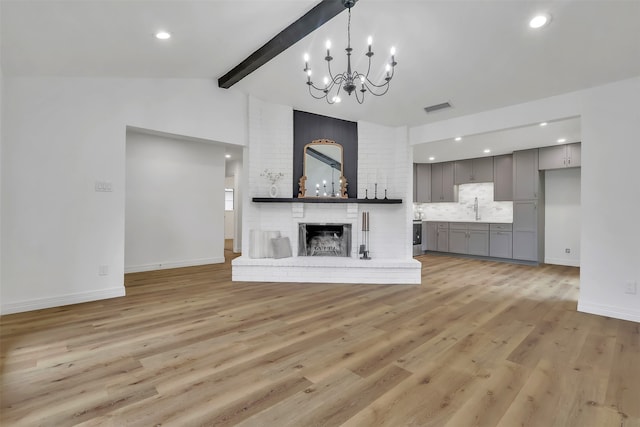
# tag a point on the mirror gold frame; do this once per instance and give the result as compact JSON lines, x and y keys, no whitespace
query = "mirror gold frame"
{"x":336,"y":190}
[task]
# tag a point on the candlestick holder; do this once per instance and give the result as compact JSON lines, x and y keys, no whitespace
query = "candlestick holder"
{"x":364,"y":247}
{"x":385,"y":194}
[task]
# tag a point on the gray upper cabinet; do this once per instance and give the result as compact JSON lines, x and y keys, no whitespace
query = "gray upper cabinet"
{"x":526,"y":177}
{"x":474,"y":170}
{"x":442,"y":182}
{"x":422,"y":183}
{"x":415,"y":182}
{"x":574,"y":152}
{"x":503,"y":178}
{"x":560,"y":156}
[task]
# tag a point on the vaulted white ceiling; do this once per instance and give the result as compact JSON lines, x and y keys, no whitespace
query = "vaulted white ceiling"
{"x":478,"y":55}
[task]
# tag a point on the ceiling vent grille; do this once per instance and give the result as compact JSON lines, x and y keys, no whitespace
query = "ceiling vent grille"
{"x":436,"y":107}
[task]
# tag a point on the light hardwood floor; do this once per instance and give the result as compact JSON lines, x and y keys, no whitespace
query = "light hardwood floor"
{"x":477,"y":344}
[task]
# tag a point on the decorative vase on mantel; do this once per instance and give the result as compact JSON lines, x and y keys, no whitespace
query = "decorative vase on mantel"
{"x":273,"y":178}
{"x":273,"y":191}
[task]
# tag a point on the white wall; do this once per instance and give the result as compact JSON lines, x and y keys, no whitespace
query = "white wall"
{"x":1,"y":171}
{"x":270,"y":147}
{"x":383,"y":154}
{"x":562,"y":217}
{"x":60,"y":136}
{"x":229,"y":215}
{"x":610,"y":194}
{"x":234,"y":168}
{"x":610,"y":249}
{"x":174,"y":208}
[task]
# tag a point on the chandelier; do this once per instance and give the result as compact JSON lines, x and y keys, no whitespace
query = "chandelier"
{"x":349,"y":80}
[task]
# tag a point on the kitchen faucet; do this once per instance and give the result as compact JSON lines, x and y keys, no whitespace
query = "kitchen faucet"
{"x":476,"y":209}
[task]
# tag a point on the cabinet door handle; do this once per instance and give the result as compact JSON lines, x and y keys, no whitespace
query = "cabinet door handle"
{"x":569,"y":161}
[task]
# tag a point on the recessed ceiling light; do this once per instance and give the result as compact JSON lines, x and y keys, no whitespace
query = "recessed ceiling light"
{"x":228,"y":156}
{"x":458,"y":138}
{"x":539,"y":21}
{"x":561,"y":140}
{"x":163,"y":35}
{"x":487,"y":150}
{"x":543,"y":124}
{"x":432,"y":158}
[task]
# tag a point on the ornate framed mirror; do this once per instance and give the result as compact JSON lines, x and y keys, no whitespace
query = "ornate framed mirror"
{"x":323,"y":174}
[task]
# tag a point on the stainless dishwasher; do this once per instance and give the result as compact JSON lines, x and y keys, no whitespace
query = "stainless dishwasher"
{"x":417,"y":238}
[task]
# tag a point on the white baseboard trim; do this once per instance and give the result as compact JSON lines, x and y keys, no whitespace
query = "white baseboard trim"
{"x":609,"y":311}
{"x":76,"y":298}
{"x":172,"y":264}
{"x":563,"y":261}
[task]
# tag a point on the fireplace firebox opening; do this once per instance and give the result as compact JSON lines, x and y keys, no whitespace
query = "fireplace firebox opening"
{"x":324,"y":240}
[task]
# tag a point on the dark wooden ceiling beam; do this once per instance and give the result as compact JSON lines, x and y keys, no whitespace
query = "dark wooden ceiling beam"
{"x":321,"y":13}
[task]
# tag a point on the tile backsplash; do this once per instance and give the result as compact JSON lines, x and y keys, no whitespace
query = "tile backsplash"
{"x":490,"y":211}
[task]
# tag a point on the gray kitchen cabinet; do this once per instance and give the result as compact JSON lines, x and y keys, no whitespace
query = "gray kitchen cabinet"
{"x":422,"y":183}
{"x":415,"y":182}
{"x":442,"y":182}
{"x":442,"y":242}
{"x":501,"y":240}
{"x":528,"y":207}
{"x":429,"y":236}
{"x":469,"y":238}
{"x":458,"y":238}
{"x":478,"y":242}
{"x":473,"y":170}
{"x":528,"y":230}
{"x":559,"y":156}
{"x":503,"y":178}
{"x":574,"y":154}
{"x":526,"y":177}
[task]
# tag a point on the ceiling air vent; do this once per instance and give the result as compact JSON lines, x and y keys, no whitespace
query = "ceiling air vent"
{"x":436,"y":107}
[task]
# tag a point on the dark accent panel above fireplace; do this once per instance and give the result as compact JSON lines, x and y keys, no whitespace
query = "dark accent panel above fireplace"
{"x":308,"y":127}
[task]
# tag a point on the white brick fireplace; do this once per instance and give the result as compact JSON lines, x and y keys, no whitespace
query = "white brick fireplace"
{"x":383,"y":157}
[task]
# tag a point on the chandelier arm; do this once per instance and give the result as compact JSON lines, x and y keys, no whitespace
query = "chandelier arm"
{"x":330,"y":73}
{"x":360,"y":101}
{"x":386,"y":89}
{"x":368,"y":67}
{"x":324,"y":95}
{"x":386,"y":83}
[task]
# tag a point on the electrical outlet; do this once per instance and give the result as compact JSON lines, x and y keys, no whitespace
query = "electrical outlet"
{"x":567,"y":251}
{"x":103,"y":270}
{"x":631,"y":288}
{"x":103,"y":186}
